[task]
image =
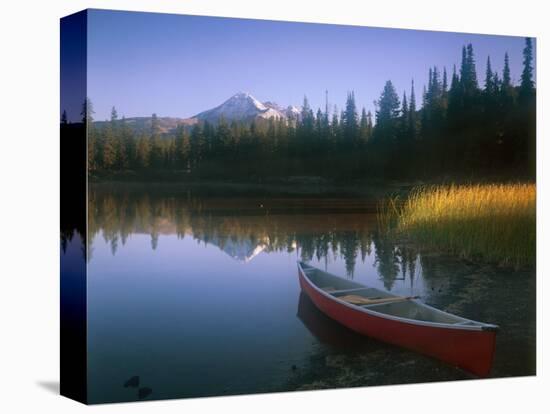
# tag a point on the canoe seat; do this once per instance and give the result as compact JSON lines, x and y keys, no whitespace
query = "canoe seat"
{"x":361,"y":300}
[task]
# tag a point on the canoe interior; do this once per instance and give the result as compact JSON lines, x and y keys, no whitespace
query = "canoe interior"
{"x":409,"y":309}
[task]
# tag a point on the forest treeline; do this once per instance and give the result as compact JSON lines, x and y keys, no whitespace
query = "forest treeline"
{"x":458,"y":128}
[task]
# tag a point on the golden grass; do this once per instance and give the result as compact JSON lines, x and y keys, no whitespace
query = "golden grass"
{"x":492,"y":222}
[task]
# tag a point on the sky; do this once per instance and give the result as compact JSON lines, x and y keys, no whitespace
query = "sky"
{"x":177,"y":65}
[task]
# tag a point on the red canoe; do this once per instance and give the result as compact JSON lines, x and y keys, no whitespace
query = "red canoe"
{"x":402,"y":321}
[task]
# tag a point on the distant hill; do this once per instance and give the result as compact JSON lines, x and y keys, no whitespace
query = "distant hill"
{"x":142,"y":124}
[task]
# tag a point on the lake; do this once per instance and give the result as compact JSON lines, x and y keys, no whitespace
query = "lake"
{"x":197,"y":294}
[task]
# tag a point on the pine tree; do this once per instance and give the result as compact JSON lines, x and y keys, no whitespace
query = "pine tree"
{"x":64,"y":118}
{"x":335,"y":125}
{"x":445,"y":92}
{"x":109,"y":149}
{"x":454,"y":105}
{"x":387,"y":113}
{"x":326,"y":121}
{"x":468,"y":75}
{"x":506,"y":79}
{"x":424,"y":124}
{"x":464,"y":67}
{"x":472,"y":74}
{"x":412,"y":114}
{"x":363,"y":126}
{"x":307,"y":118}
{"x":349,"y":118}
{"x":388,"y":104}
{"x":525,"y":147}
{"x":404,"y":117}
{"x":507,"y":92}
{"x":114,"y":115}
{"x":527,"y":86}
{"x":87,"y":113}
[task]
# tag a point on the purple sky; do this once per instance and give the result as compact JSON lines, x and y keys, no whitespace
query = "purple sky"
{"x":178,"y":65}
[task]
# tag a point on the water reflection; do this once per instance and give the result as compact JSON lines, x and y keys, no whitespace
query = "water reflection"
{"x":246,"y":227}
{"x":326,"y":330}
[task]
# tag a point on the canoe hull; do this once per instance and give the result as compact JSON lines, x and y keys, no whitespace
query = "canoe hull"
{"x":470,"y":350}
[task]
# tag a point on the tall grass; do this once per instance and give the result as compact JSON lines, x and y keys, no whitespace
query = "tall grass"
{"x":491,"y":222}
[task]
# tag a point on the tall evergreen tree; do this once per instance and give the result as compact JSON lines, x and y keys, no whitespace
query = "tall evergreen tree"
{"x":335,"y":124}
{"x":307,"y":121}
{"x":506,"y":78}
{"x":156,"y":148}
{"x":527,"y":85}
{"x":350,"y":118}
{"x":114,"y":115}
{"x":87,"y":113}
{"x":472,"y":74}
{"x":364,"y":126}
{"x":412,"y":114}
{"x":468,"y":74}
{"x":387,"y":113}
{"x":404,"y":117}
{"x":110,"y":143}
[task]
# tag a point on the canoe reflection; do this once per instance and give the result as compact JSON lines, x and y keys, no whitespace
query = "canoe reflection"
{"x":326,"y":330}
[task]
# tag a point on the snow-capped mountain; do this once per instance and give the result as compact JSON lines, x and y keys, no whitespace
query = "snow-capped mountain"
{"x":241,"y":107}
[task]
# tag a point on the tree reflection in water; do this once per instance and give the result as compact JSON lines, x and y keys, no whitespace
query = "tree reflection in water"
{"x":244,"y":227}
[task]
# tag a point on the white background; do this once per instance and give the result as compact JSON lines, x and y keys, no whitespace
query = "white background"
{"x":29,"y":206}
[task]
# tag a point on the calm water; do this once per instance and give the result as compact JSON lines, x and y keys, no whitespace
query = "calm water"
{"x":199,"y":296}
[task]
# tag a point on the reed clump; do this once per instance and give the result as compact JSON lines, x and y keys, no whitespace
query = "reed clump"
{"x":492,"y":222}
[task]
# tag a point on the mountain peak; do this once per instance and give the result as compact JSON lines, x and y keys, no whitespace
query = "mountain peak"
{"x":248,"y":98}
{"x":240,"y":107}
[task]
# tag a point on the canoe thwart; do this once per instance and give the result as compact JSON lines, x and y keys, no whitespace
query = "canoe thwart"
{"x":334,"y":291}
